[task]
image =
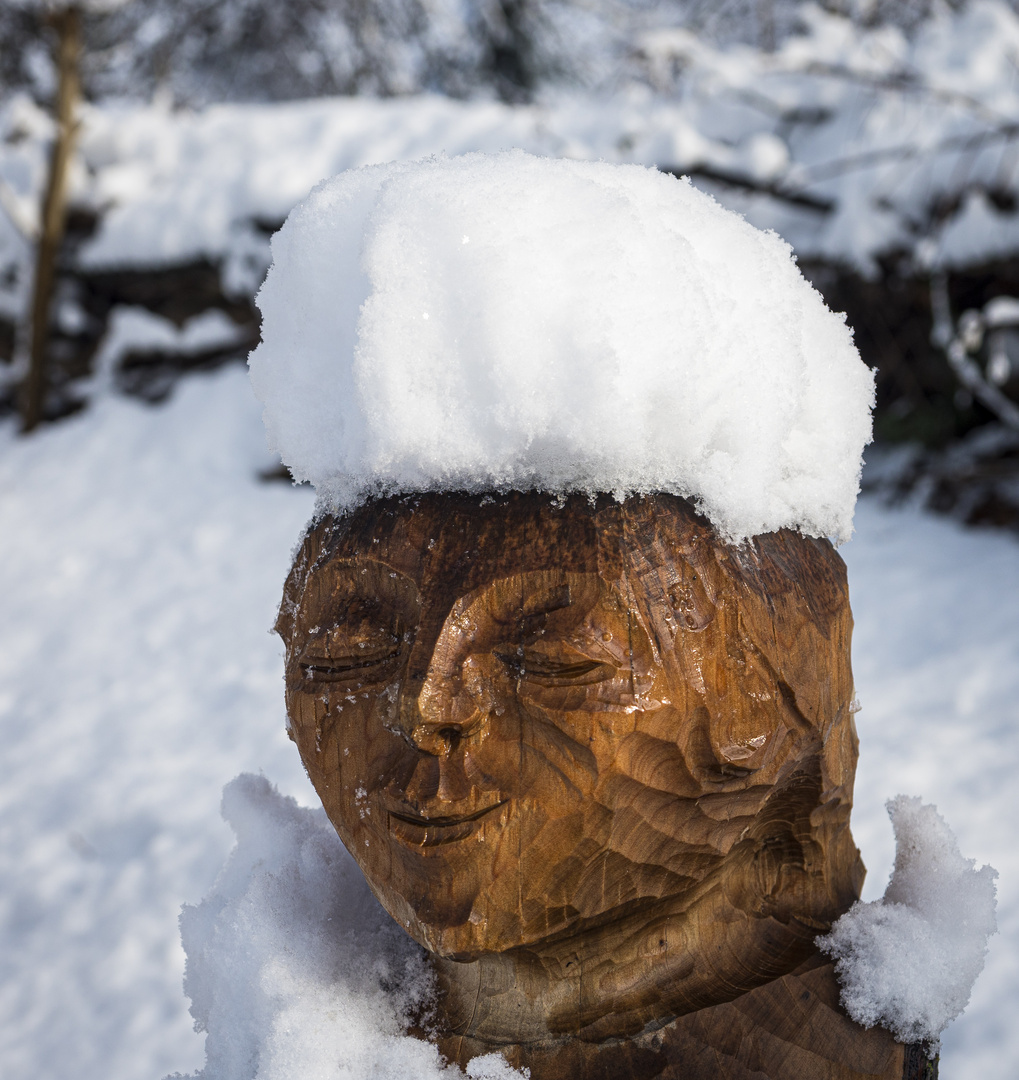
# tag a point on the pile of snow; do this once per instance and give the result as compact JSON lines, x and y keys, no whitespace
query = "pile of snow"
{"x":909,"y":961}
{"x":507,"y":321}
{"x":294,"y":969}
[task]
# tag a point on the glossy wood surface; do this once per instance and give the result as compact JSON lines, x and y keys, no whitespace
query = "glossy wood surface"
{"x":596,"y":761}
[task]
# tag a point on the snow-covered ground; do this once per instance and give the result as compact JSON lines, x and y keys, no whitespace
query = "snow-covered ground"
{"x":936,"y":661}
{"x":141,"y":564}
{"x":141,"y":559}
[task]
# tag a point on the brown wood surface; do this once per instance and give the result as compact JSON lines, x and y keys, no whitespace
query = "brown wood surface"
{"x":594,"y":760}
{"x":791,"y":1028}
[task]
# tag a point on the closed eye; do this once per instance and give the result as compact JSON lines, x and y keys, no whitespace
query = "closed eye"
{"x":366,"y":662}
{"x":551,"y":670}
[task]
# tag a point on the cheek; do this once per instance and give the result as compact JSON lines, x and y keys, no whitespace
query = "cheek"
{"x":531,"y":750}
{"x":725,"y":712}
{"x":744,"y":704}
{"x":346,"y":744}
{"x":564,"y":753}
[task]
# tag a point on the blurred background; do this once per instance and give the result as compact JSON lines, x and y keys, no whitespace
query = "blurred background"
{"x":879,"y":137}
{"x":148,"y":151}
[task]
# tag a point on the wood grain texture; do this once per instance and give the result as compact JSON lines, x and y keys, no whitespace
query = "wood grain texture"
{"x":594,"y":760}
{"x":788,"y":1029}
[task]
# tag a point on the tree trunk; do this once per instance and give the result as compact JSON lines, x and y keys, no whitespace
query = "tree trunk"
{"x":67,"y":24}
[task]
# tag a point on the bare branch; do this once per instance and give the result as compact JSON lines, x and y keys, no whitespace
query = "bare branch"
{"x":906,"y":80}
{"x":830,"y":169}
{"x":966,"y":369}
{"x":802,"y":199}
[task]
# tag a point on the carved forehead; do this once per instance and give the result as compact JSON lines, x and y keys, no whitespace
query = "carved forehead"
{"x":452,"y":544}
{"x":448,"y":547}
{"x":472,"y":540}
{"x":359,"y":584}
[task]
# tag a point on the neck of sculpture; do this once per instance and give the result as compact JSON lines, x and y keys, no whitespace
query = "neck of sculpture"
{"x":618,"y":979}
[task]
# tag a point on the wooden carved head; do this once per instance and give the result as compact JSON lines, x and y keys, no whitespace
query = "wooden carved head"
{"x":531,"y":721}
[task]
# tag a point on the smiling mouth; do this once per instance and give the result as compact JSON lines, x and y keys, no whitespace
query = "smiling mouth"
{"x":418,"y":830}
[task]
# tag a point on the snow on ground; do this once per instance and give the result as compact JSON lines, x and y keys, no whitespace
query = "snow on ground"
{"x":141,"y":566}
{"x":936,"y":661}
{"x":141,"y":560}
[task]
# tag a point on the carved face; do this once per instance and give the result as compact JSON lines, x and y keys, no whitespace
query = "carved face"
{"x":524,"y":719}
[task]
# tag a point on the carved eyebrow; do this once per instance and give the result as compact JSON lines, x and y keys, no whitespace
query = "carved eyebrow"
{"x":547,"y":600}
{"x":341,"y":583}
{"x":365,"y":571}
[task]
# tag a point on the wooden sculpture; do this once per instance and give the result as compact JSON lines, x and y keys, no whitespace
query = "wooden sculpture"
{"x":599,"y":764}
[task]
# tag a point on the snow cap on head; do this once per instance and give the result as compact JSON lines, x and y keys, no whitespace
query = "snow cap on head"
{"x":504,"y":321}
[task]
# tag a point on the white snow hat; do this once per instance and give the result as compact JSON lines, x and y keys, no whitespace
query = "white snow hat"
{"x":505,"y":321}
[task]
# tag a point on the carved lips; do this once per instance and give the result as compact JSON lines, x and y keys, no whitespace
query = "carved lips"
{"x":422,"y":830}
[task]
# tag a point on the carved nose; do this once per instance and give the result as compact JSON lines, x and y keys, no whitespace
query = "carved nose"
{"x":441,"y":715}
{"x":436,"y":720}
{"x":437,"y":740}
{"x":439,"y":723}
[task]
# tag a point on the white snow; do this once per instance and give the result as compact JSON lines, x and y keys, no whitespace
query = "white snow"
{"x":882,"y":127}
{"x":909,"y":960}
{"x":294,"y":970}
{"x":879,"y":130}
{"x":508,"y":321}
{"x":1001,"y":311}
{"x":141,"y":567}
{"x":977,"y":232}
{"x":894,"y":142}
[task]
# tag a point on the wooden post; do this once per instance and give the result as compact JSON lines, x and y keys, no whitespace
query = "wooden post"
{"x":67,"y":24}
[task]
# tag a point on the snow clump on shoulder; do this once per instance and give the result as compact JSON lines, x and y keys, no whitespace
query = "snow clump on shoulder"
{"x":504,"y":321}
{"x":293,"y":967}
{"x":908,"y":962}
